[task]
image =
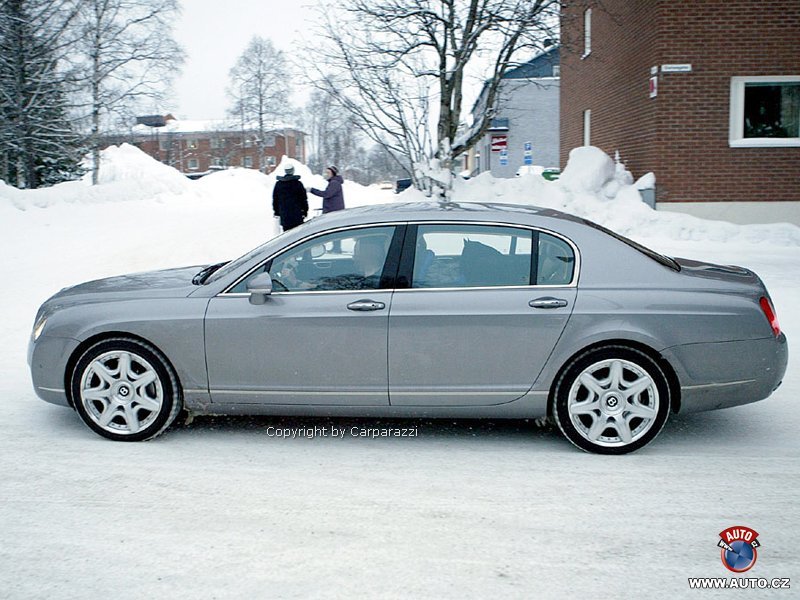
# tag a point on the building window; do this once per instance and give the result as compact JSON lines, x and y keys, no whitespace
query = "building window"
{"x":217,"y":143}
{"x":271,"y":161}
{"x":587,"y":127}
{"x":765,"y":111}
{"x":248,"y":143}
{"x":193,"y":165}
{"x":587,"y":32}
{"x":269,"y":141}
{"x":247,"y":162}
{"x":163,"y":145}
{"x":556,"y":70}
{"x":191,"y":144}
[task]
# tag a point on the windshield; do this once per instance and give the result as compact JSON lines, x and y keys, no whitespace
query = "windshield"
{"x":235,"y":264}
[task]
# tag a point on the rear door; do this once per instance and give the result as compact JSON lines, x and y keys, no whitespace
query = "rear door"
{"x":483,"y":308}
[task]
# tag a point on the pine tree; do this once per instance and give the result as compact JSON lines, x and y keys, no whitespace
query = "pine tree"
{"x":38,"y":145}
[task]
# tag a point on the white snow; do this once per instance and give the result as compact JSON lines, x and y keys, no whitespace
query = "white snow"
{"x":219,"y":509}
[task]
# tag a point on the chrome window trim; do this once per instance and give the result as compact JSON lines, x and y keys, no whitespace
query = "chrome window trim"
{"x":225,"y":292}
{"x":575,"y":273}
{"x":572,"y":284}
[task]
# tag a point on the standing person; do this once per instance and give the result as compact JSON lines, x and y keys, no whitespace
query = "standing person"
{"x":332,"y":196}
{"x":289,"y":199}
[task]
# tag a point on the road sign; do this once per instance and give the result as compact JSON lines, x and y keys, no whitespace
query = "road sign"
{"x":528,"y":159}
{"x":654,"y":86}
{"x":528,"y":146}
{"x":499,"y":143}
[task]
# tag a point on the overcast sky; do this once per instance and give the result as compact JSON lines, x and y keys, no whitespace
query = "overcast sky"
{"x":215,"y":32}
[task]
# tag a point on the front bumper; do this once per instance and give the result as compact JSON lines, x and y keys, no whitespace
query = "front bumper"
{"x":47,"y":358}
{"x":725,"y":374}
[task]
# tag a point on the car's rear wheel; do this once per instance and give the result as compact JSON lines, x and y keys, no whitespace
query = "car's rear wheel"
{"x":611,"y":400}
{"x":125,"y":390}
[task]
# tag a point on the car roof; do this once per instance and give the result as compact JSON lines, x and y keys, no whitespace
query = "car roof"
{"x":399,"y":211}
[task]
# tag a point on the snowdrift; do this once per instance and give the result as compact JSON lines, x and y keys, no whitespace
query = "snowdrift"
{"x":592,"y":186}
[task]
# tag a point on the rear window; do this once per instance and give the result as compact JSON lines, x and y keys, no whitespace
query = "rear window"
{"x":660,"y":258}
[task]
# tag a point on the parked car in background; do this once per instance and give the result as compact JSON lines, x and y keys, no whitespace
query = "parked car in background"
{"x":402,"y":185}
{"x":419,"y":309}
{"x":549,"y":173}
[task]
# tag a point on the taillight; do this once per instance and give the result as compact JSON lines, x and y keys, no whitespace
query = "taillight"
{"x":769,"y":312}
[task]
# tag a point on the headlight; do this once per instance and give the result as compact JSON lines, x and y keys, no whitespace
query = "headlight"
{"x":38,"y":328}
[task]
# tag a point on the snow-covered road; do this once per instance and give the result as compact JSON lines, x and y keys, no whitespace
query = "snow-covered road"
{"x":476,"y":509}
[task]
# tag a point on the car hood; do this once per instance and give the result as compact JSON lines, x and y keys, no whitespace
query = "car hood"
{"x":167,"y":283}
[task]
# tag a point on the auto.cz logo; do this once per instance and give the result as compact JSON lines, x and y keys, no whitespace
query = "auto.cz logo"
{"x":739,"y":552}
{"x":738,"y":545}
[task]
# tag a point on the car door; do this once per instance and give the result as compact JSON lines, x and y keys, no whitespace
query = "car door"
{"x":321,"y":336}
{"x":483,"y":308}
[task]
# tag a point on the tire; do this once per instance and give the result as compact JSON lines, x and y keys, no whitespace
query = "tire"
{"x":125,"y":390}
{"x":611,"y":400}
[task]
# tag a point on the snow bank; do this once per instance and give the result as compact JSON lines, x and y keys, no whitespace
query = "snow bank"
{"x":594,"y":187}
{"x":128,"y":174}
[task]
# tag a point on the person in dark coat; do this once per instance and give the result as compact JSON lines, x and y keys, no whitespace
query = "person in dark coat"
{"x":289,"y":199}
{"x":332,"y":196}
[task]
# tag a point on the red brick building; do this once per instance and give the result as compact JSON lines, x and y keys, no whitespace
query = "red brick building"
{"x":706,"y":94}
{"x":197,"y":146}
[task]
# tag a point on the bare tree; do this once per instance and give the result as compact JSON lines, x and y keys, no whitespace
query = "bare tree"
{"x":259,"y":87}
{"x":400,"y":66}
{"x":129,"y":54}
{"x":334,"y":138}
{"x":38,"y":144}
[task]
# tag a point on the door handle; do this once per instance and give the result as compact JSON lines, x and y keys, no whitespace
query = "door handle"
{"x":366,"y":305}
{"x":547,"y":302}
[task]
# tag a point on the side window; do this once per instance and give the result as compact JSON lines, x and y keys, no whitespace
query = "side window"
{"x":556,"y":261}
{"x":471,"y":256}
{"x":347,"y":260}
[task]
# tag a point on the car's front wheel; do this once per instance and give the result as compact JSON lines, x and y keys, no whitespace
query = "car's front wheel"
{"x":125,"y":390}
{"x":611,"y":400}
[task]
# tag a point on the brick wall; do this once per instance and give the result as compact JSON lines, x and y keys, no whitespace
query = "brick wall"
{"x":682,"y":134}
{"x":227,"y":149}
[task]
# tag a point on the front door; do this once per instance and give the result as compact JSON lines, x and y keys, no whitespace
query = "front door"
{"x":320,"y":337}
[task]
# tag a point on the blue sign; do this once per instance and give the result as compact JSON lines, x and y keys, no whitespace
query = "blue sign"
{"x":528,"y":146}
{"x":504,"y":161}
{"x":528,"y":159}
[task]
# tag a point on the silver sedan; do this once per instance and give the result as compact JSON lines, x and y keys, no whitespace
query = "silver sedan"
{"x":423,"y":310}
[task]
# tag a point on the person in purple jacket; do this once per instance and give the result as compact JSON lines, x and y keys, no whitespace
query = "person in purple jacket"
{"x":333,"y":195}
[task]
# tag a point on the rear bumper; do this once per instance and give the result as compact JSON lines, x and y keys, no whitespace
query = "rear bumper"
{"x":48,"y":358}
{"x":725,"y":374}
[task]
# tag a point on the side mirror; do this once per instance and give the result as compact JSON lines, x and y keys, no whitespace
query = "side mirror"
{"x":259,"y":287}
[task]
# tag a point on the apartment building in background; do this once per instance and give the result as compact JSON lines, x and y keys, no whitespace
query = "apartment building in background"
{"x":195,"y":147}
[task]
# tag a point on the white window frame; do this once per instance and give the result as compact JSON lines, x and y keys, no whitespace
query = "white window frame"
{"x":587,"y":32}
{"x":247,"y":162}
{"x":193,"y":164}
{"x":587,"y":127}
{"x":736,"y":137}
